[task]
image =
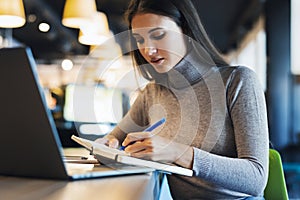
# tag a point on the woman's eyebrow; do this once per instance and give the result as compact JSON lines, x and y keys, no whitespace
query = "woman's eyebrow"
{"x":150,"y":31}
{"x":135,"y":34}
{"x":155,"y":29}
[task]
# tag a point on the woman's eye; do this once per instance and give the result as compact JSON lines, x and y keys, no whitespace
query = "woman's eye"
{"x":139,"y":40}
{"x":158,"y":36}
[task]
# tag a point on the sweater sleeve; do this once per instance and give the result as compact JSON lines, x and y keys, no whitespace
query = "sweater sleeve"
{"x":135,"y":120}
{"x":248,"y":172}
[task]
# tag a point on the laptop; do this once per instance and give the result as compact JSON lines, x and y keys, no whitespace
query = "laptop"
{"x":29,"y":141}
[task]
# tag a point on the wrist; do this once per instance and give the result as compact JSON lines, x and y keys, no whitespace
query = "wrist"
{"x":185,"y":156}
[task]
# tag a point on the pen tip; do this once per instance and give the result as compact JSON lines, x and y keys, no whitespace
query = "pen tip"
{"x":122,"y":148}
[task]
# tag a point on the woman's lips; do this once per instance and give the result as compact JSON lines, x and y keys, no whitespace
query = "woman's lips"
{"x":157,"y":60}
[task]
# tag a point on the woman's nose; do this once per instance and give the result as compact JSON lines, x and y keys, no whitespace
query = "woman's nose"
{"x":150,"y":50}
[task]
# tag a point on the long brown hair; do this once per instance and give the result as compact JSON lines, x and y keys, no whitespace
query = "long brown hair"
{"x":185,"y":16}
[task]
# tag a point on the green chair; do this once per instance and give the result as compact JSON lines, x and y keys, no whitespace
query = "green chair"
{"x":276,"y":187}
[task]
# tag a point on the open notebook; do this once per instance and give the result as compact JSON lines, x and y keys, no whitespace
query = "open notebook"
{"x":109,"y":155}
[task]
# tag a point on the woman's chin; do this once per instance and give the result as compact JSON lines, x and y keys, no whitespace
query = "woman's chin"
{"x":162,"y":69}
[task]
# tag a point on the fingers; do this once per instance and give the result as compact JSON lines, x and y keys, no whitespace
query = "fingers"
{"x":137,"y":136}
{"x":149,"y":154}
{"x":113,"y":143}
{"x":102,"y":140}
{"x":139,"y":146}
{"x":145,"y":154}
{"x":109,"y":141}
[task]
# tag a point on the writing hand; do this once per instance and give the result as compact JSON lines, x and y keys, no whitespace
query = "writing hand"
{"x":147,"y":145}
{"x":150,"y":128}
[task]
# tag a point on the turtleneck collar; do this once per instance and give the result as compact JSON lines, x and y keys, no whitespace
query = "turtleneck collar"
{"x":188,"y":71}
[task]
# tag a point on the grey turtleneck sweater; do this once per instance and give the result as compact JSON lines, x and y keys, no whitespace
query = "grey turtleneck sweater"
{"x":221,"y":113}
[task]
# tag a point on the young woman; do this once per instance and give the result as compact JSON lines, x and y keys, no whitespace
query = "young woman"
{"x":216,"y":122}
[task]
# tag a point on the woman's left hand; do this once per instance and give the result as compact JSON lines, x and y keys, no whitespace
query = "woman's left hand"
{"x":151,"y":146}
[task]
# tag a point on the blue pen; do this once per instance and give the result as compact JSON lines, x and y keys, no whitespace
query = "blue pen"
{"x":150,"y":128}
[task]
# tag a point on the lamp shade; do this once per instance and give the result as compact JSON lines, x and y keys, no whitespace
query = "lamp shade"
{"x":12,"y":13}
{"x":92,"y":39}
{"x":78,"y":12}
{"x":96,"y":31}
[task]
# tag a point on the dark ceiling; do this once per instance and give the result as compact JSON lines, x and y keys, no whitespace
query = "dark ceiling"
{"x":226,"y":22}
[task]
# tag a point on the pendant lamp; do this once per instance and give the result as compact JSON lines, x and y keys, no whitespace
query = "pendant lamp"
{"x":77,"y":12}
{"x":96,"y":31}
{"x":12,"y":14}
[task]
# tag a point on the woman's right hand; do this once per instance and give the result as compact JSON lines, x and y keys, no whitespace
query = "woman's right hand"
{"x":109,"y":140}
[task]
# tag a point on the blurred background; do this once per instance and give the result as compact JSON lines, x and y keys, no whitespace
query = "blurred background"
{"x":260,"y":34}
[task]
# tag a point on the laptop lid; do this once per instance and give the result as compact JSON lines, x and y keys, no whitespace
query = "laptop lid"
{"x":29,"y":142}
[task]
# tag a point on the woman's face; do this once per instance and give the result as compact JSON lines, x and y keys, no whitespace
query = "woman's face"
{"x":159,"y":40}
